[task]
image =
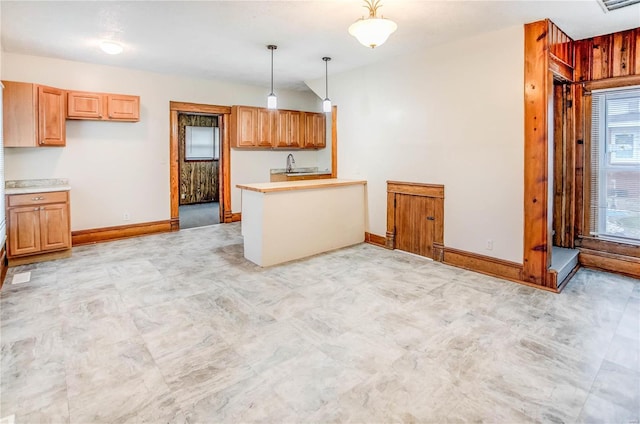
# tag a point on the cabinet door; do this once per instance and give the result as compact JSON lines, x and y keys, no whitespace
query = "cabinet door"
{"x":296,"y":133}
{"x":54,"y":227}
{"x":283,"y":129}
{"x":244,"y":126}
{"x":123,"y":108}
{"x":51,"y":116}
{"x":319,"y":138}
{"x":309,"y":130}
{"x":19,"y":110}
{"x":24,"y":230}
{"x":415,"y":224}
{"x":82,"y":105}
{"x":266,"y":127}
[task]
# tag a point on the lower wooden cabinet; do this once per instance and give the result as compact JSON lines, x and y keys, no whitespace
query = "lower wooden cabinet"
{"x":37,"y":223}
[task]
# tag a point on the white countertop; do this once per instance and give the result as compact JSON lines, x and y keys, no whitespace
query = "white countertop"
{"x":36,"y":186}
{"x":298,"y":185}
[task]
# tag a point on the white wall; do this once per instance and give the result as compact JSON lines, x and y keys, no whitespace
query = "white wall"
{"x":451,"y":115}
{"x":117,"y":167}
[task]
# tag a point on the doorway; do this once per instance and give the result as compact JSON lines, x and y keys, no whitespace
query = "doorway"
{"x":199,"y":173}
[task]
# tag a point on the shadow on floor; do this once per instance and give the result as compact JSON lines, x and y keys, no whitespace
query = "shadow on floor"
{"x":199,"y":215}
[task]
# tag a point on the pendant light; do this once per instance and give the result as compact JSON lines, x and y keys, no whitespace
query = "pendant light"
{"x":326,"y":103}
{"x":372,"y":31}
{"x":272,"y":100}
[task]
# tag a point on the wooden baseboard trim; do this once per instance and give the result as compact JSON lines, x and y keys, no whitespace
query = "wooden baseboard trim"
{"x":375,"y":240}
{"x":99,"y":235}
{"x":236,"y":217}
{"x":4,"y":266}
{"x":610,"y":262}
{"x":175,"y":224}
{"x":487,"y":265}
{"x":31,"y":259}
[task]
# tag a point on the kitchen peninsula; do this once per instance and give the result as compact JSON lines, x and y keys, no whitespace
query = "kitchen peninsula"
{"x":283,"y":221}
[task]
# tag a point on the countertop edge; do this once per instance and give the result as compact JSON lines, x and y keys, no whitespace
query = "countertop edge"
{"x":298,"y":185}
{"x":36,"y":189}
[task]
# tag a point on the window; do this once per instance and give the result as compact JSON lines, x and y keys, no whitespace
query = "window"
{"x":202,"y":143}
{"x":615,"y":164}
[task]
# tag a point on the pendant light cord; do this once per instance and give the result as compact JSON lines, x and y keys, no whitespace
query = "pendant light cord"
{"x":272,"y":48}
{"x":326,"y":76}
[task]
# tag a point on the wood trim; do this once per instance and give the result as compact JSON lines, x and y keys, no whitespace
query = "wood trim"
{"x":186,"y":107}
{"x":610,"y":262}
{"x":483,"y":264}
{"x":538,"y":90}
{"x":236,"y":217}
{"x":615,"y":82}
{"x":3,"y":264}
{"x":375,"y":240}
{"x":607,"y":246}
{"x":416,"y":189}
{"x":334,"y":141}
{"x":391,"y":221}
{"x":175,"y":224}
{"x":98,"y":235}
{"x":42,"y":257}
{"x":224,"y":116}
{"x":559,"y":68}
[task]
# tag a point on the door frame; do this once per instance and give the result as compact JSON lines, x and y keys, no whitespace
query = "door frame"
{"x":224,"y":180}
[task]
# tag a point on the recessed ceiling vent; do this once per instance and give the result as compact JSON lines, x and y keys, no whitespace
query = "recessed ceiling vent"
{"x":609,"y":5}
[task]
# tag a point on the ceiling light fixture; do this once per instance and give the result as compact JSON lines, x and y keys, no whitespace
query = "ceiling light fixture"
{"x":272,"y":100}
{"x":111,"y":47}
{"x":326,"y":103}
{"x":372,"y":31}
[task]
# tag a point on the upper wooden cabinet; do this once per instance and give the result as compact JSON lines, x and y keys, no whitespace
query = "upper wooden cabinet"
{"x":103,"y":106}
{"x":253,"y":127}
{"x":34,"y":115}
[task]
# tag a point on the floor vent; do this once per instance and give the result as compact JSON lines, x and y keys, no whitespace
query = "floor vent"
{"x":610,"y":5}
{"x":23,"y":277}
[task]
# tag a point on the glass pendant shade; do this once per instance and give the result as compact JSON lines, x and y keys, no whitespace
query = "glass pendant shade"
{"x":326,"y":105}
{"x":272,"y":101}
{"x":372,"y":31}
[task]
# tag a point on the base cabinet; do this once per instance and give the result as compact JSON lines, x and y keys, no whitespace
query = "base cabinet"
{"x":38,"y":223}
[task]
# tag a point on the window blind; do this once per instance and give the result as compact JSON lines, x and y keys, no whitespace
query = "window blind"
{"x":615,"y":164}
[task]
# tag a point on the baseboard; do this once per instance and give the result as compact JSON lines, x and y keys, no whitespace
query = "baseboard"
{"x":610,"y":262}
{"x":236,"y":217}
{"x":487,"y":265}
{"x":42,"y":257}
{"x":4,"y":266}
{"x":98,"y":235}
{"x":375,"y":240}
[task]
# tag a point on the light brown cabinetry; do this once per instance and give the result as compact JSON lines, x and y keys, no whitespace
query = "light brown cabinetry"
{"x":415,"y":217}
{"x":253,"y":127}
{"x":38,"y":224}
{"x":314,"y":127}
{"x":34,"y":115}
{"x":102,"y":106}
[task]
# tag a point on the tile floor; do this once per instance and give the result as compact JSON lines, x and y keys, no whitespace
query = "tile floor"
{"x":180,"y":328}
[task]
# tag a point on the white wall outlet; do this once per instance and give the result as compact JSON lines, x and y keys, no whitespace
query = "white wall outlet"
{"x":125,"y":216}
{"x":489,"y":244}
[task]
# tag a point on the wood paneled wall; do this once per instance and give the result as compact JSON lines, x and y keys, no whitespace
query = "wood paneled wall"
{"x":198,"y":179}
{"x":608,"y":56}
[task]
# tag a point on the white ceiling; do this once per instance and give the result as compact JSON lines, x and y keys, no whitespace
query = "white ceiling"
{"x":227,"y":39}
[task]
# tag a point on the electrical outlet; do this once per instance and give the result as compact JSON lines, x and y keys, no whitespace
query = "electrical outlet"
{"x":489,"y":244}
{"x":125,"y":216}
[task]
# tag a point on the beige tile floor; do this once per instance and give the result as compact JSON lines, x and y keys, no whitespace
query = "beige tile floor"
{"x":181,"y":328}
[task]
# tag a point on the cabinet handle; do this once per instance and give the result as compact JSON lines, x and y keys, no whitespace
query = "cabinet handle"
{"x":37,"y":198}
{"x":36,"y":209}
{"x":430,"y":218}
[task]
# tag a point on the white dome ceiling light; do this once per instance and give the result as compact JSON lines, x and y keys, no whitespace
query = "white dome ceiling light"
{"x":111,"y":47}
{"x":372,"y":31}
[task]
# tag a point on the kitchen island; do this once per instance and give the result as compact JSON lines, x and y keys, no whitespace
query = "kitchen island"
{"x":283,"y":221}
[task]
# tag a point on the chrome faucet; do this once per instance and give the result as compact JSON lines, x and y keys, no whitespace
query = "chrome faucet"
{"x":291,"y":163}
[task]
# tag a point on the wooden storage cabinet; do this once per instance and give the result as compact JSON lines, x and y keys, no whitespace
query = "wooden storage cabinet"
{"x":102,"y":106}
{"x":34,"y":115}
{"x":253,"y":127}
{"x":38,"y":223}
